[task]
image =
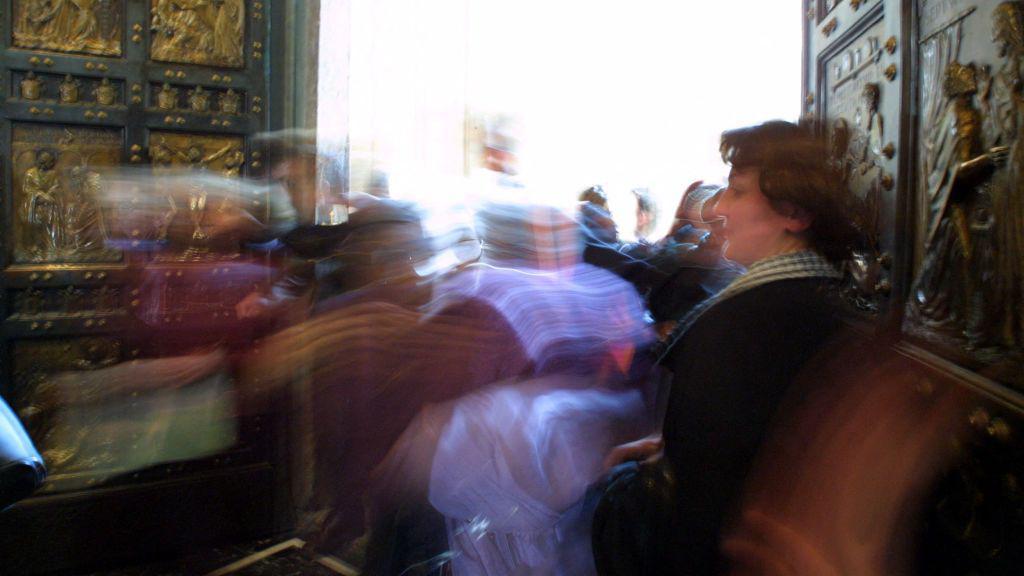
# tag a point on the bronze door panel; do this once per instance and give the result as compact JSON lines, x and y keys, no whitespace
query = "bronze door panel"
{"x":966,"y":299}
{"x":80,"y":27}
{"x":859,"y":103}
{"x":61,"y":213}
{"x":204,"y":33}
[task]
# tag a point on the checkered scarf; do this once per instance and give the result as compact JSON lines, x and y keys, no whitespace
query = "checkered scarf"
{"x":803,"y":264}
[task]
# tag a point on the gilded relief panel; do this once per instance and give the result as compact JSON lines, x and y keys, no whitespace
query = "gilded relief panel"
{"x":968,"y":291}
{"x":93,"y":417}
{"x":76,"y":26}
{"x":207,"y":32}
{"x":197,"y":176}
{"x":59,"y":211}
{"x":37,"y":402}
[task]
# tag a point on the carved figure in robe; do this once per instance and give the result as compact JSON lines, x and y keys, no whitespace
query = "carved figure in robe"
{"x":83,"y":221}
{"x":228,"y":32}
{"x":872,"y":123}
{"x":1006,"y":112}
{"x":41,"y":210}
{"x":84,"y":27}
{"x":948,"y":296}
{"x":39,"y":18}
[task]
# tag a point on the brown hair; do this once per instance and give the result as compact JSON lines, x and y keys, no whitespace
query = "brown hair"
{"x":797,"y":175}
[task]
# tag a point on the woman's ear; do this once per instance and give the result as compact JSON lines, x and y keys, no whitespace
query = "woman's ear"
{"x":798,"y":220}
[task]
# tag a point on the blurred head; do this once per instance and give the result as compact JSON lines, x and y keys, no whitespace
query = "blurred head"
{"x":379,"y":184}
{"x":500,"y":146}
{"x":595,"y":195}
{"x":646,"y":212}
{"x":537,"y":237}
{"x":784,"y":195}
{"x":385,"y":242}
{"x":292,"y":158}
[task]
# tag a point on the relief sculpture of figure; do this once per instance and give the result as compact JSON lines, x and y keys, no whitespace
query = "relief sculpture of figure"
{"x":948,"y":296}
{"x":869,"y":157}
{"x":83,"y":220}
{"x":61,"y":218}
{"x":233,"y":163}
{"x":1006,"y":114}
{"x":68,"y":90}
{"x":84,"y":27}
{"x":37,"y":19}
{"x":228,"y":33}
{"x":41,"y":212}
{"x":194,"y":158}
{"x":873,"y":127}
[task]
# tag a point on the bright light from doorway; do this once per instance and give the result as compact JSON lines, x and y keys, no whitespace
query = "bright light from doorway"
{"x":625,"y":94}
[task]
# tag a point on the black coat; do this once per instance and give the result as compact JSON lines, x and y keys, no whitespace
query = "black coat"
{"x":731,"y":369}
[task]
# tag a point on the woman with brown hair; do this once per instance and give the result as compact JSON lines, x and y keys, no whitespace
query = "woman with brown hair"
{"x":788,"y":220}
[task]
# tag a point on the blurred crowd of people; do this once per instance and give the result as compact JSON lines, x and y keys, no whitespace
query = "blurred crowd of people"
{"x":530,"y":394}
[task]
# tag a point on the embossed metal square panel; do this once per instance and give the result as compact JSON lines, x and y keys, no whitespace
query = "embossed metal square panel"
{"x":82,"y":27}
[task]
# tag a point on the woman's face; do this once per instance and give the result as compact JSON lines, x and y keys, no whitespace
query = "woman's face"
{"x":752,"y":229}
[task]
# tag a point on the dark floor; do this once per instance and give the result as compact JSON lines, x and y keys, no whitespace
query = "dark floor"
{"x":291,"y":561}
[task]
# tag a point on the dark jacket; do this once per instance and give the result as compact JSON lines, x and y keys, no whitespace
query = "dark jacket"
{"x":731,"y":368}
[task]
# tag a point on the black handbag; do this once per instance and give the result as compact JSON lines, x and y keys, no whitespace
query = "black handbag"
{"x":634,"y":523}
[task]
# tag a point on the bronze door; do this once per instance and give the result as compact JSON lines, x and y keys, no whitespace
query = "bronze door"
{"x":104,"y":257}
{"x":922,"y":97}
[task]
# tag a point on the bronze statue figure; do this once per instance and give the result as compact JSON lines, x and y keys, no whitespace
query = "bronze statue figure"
{"x":69,"y":90}
{"x":199,"y":99}
{"x":950,"y":296}
{"x":31,"y":87}
{"x":105,"y":92}
{"x":230,"y":102}
{"x":167,"y":97}
{"x":41,"y":212}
